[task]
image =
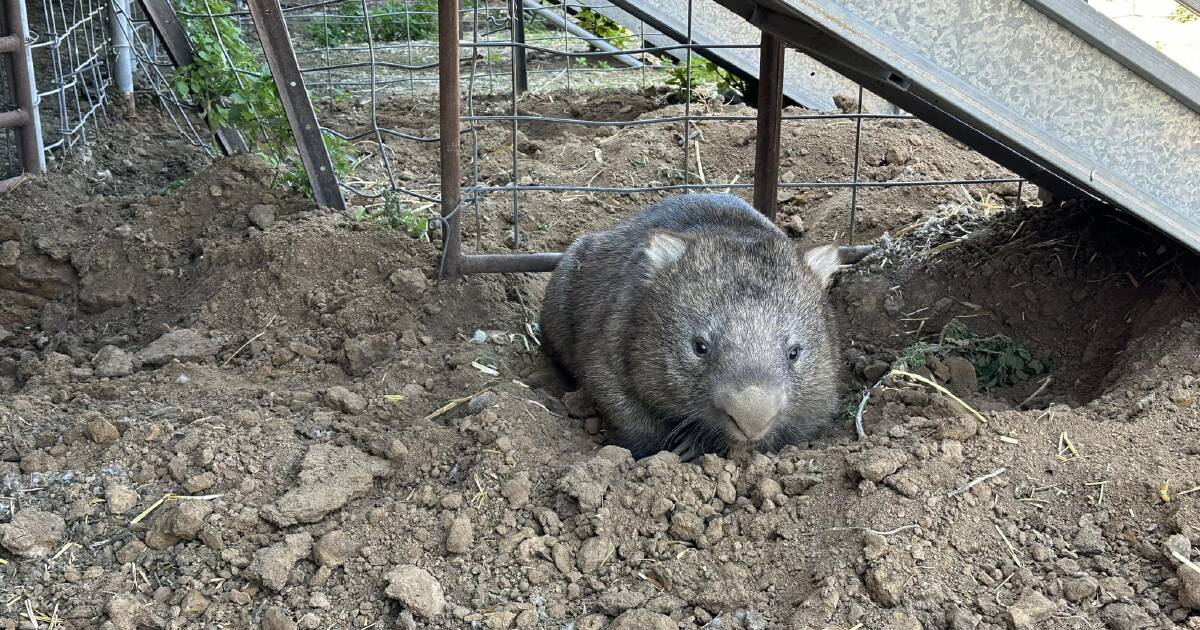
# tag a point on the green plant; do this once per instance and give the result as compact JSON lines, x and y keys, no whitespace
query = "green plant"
{"x":706,"y":79}
{"x":1183,"y":15}
{"x":396,"y":215}
{"x":234,"y":89}
{"x":605,"y":28}
{"x":391,"y":20}
{"x":999,"y":360}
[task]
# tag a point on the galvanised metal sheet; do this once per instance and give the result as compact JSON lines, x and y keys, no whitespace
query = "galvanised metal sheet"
{"x":1048,"y":78}
{"x":806,"y":81}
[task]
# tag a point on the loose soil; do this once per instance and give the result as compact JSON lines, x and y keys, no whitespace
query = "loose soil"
{"x":222,"y":408}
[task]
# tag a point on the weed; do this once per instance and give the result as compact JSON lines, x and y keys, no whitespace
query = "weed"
{"x":605,"y":28}
{"x":1183,"y":15}
{"x":707,"y":80}
{"x":999,"y":360}
{"x":395,"y":215}
{"x":234,"y":89}
{"x":390,"y":21}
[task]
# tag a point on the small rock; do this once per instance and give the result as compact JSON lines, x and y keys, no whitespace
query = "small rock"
{"x":32,"y":533}
{"x":409,"y":282}
{"x":119,"y":499}
{"x":277,"y":619}
{"x":262,"y":215}
{"x":183,"y":521}
{"x":1080,"y":589}
{"x":123,"y":611}
{"x":1119,"y":616}
{"x":460,"y":536}
{"x":875,"y":371}
{"x":1030,"y":609}
{"x":1089,"y":540}
{"x":364,"y":351}
{"x":795,"y":225}
{"x":592,"y":553}
{"x":877,"y":463}
{"x":194,"y":603}
{"x":898,"y":154}
{"x":334,"y":549}
{"x":131,"y":551}
{"x":616,"y":601}
{"x":958,"y":427}
{"x":638,"y":619}
{"x":184,"y":344}
{"x":961,"y":619}
{"x":686,"y":526}
{"x":272,"y":565}
{"x":1176,"y":545}
{"x":339,"y":397}
{"x":963,"y":379}
{"x":102,"y":431}
{"x":417,"y":590}
{"x":516,"y":490}
{"x":578,"y":404}
{"x":886,"y":585}
{"x":112,"y":362}
{"x":10,"y":252}
{"x":200,"y":483}
{"x":479,"y":402}
{"x":1189,"y":586}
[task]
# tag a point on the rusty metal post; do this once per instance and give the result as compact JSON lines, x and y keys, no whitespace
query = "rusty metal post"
{"x":289,"y":81}
{"x":29,"y":125}
{"x":450,"y":126}
{"x":166,"y":25}
{"x":770,"y":123}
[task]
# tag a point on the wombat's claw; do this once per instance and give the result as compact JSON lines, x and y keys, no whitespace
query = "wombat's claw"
{"x":850,"y":254}
{"x":687,"y":452}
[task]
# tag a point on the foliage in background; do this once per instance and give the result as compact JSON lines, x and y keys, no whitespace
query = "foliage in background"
{"x":708,"y":81}
{"x":605,"y":28}
{"x":1183,"y":15}
{"x":999,"y":361}
{"x":391,"y":21}
{"x":234,"y":88}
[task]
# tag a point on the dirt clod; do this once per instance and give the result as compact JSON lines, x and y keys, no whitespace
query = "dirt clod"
{"x":119,"y":499}
{"x":329,"y":477}
{"x":111,"y":361}
{"x":460,"y":536}
{"x":642,"y":620}
{"x":32,"y":533}
{"x":1030,"y":609}
{"x":334,"y":549}
{"x":272,"y":565}
{"x":182,"y":345}
{"x":417,"y":590}
{"x":345,"y":400}
{"x":877,"y":463}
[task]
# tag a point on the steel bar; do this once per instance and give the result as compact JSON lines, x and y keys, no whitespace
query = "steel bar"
{"x":770,"y":125}
{"x":120,"y":31}
{"x":285,"y":71}
{"x":509,"y":263}
{"x":33,"y":156}
{"x":519,"y":57}
{"x":18,"y":118}
{"x":449,"y":106}
{"x":170,"y":31}
{"x":574,"y":29}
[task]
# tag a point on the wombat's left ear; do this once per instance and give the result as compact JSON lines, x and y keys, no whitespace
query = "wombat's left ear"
{"x":665,"y":248}
{"x":824,"y":262}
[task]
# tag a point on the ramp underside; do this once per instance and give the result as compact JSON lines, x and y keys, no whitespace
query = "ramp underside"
{"x":1051,"y":89}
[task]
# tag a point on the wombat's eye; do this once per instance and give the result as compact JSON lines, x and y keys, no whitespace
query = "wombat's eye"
{"x":699,"y":347}
{"x":793,"y":353}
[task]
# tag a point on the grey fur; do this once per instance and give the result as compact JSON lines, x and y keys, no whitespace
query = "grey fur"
{"x":621,"y":322}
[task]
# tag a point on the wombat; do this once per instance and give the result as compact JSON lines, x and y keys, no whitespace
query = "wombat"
{"x":697,"y":327}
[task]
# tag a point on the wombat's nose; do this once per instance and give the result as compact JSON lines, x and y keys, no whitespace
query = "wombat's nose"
{"x":752,"y":408}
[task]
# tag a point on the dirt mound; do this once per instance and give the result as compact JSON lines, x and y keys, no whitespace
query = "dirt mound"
{"x":230,"y":410}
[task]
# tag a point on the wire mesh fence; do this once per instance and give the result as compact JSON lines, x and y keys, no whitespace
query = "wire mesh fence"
{"x":372,"y":70}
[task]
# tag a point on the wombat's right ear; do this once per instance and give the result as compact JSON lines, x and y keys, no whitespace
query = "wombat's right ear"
{"x":664,"y":248}
{"x":824,"y":262}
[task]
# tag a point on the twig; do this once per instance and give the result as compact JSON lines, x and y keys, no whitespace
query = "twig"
{"x":921,"y":379}
{"x":876,"y":532}
{"x":862,"y":408}
{"x":1186,"y":562}
{"x":250,"y":340}
{"x":1037,"y":392}
{"x":976,"y":481}
{"x":446,"y":408}
{"x":1012,"y":551}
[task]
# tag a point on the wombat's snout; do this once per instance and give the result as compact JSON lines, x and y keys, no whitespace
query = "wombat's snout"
{"x":753,"y":409}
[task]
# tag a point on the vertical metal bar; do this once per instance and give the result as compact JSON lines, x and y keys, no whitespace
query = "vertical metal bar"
{"x":449,"y":127}
{"x":770,"y":123}
{"x":285,"y":70}
{"x":857,"y":151}
{"x":519,"y":59}
{"x":122,"y":31}
{"x":33,"y":157}
{"x":687,"y":102}
{"x":168,"y":28}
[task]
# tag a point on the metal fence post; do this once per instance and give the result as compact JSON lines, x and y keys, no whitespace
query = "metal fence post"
{"x":25,"y":118}
{"x":122,"y":31}
{"x":770,"y":122}
{"x":285,"y":70}
{"x":450,"y":127}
